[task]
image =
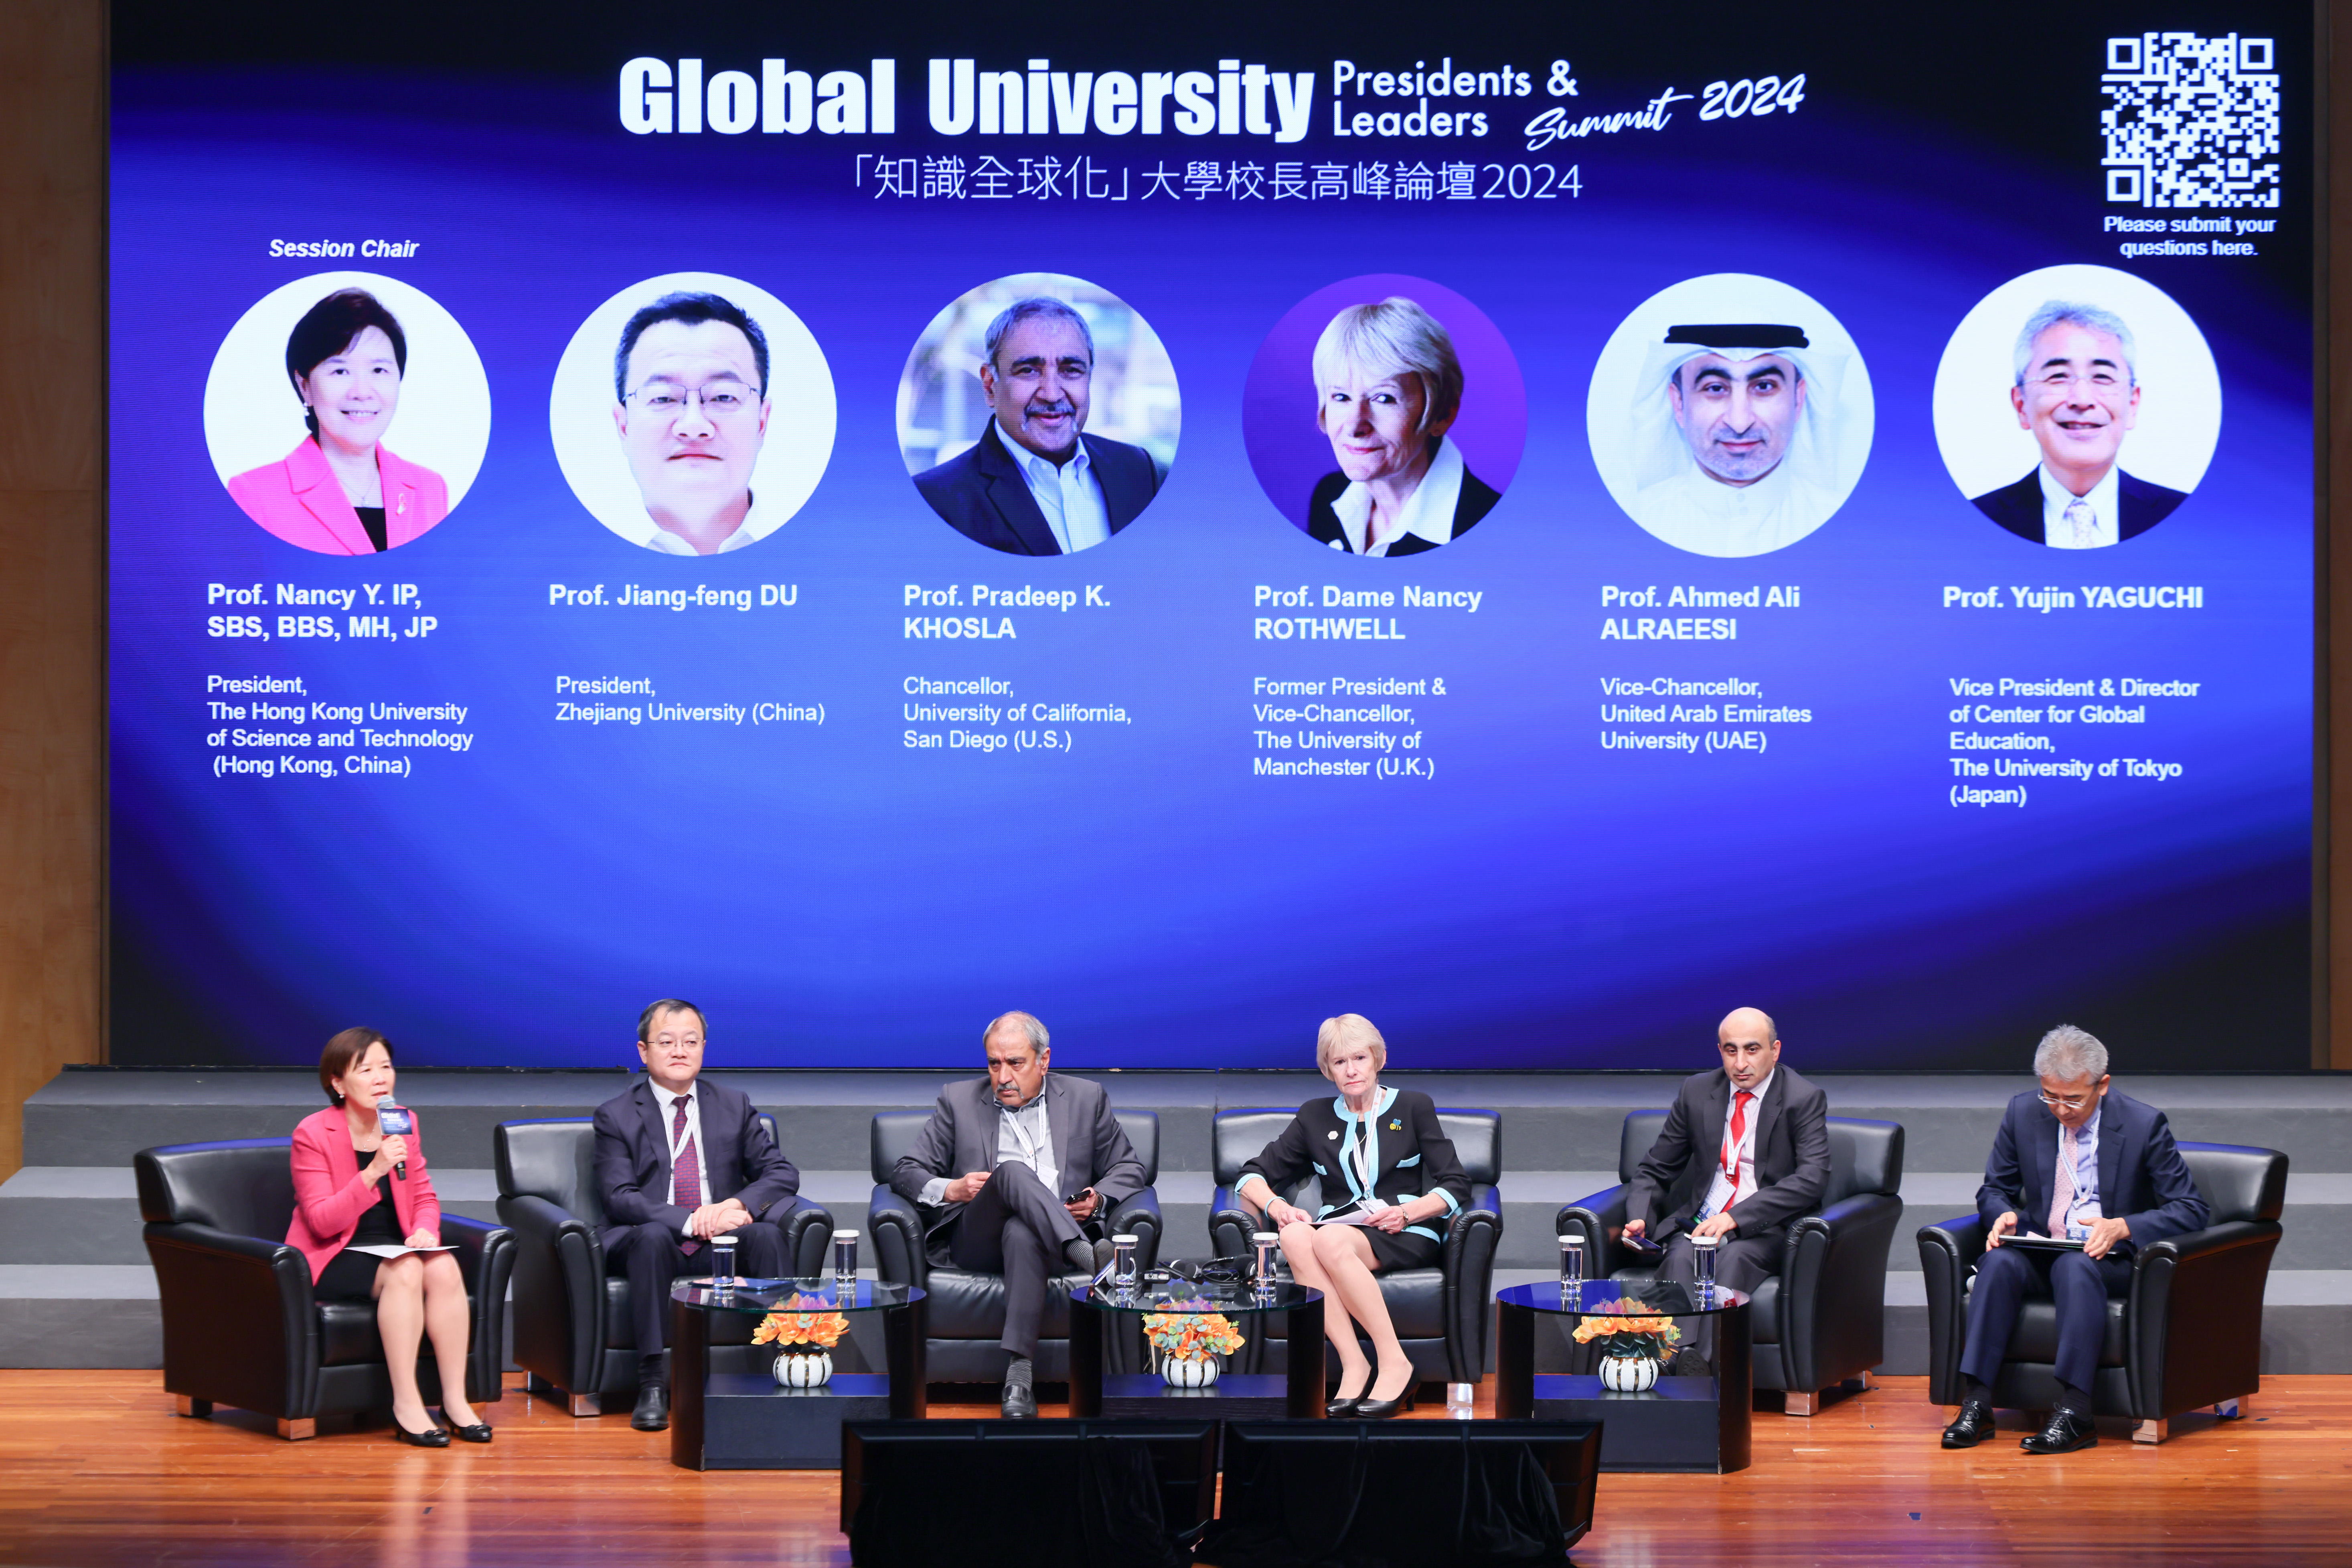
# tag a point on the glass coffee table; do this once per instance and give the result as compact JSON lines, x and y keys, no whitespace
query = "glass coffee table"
{"x":1675,"y":1424}
{"x":744,"y":1419}
{"x":1174,"y":1390}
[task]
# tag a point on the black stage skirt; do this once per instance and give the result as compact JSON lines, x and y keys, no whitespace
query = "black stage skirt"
{"x":1402,"y":1250}
{"x":350,"y":1276}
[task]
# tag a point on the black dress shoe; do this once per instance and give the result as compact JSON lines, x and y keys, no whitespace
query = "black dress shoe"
{"x":480,"y":1432}
{"x":652,"y":1414}
{"x":436,"y":1438}
{"x":1973,"y":1426}
{"x":2065,"y":1433}
{"x":1020,"y":1403}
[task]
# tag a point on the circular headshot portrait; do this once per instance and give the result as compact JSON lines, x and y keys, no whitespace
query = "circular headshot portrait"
{"x":1385,"y":415}
{"x":347,"y":413}
{"x":1729,"y":414}
{"x":1038,"y":414}
{"x":692,"y":414}
{"x":2077,"y":407}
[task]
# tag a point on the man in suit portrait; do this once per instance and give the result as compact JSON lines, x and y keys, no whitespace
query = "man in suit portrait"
{"x":1035,"y":483}
{"x":679,"y":1161}
{"x":2077,"y":389}
{"x":2072,"y":1162}
{"x":1745,"y":1150}
{"x":1015,"y":1173}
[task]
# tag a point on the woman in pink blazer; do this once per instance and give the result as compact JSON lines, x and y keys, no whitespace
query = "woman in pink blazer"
{"x":347,"y":1194}
{"x":341,"y":491}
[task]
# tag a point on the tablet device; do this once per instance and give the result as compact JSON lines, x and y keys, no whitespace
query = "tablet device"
{"x":2042,"y":1243}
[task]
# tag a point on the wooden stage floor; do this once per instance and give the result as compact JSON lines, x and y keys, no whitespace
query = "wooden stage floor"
{"x":95,"y":1469}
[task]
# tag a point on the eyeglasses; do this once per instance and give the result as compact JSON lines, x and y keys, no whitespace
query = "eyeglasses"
{"x":719,"y":400}
{"x":2065,"y":1102}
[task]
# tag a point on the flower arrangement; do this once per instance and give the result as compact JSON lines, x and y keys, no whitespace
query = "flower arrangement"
{"x":1188,"y":1331}
{"x":800,"y":1320}
{"x":1628,"y":1328}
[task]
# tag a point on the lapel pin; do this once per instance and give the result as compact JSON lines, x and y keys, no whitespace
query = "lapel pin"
{"x":1331,"y":1134}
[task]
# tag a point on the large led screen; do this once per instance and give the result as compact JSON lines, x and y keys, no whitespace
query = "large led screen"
{"x":1536,"y":525}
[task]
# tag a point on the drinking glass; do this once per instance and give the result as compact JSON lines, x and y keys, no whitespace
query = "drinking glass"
{"x":1572,"y":1269}
{"x":1262,"y":1273}
{"x":845,"y":1264}
{"x":722,"y":1261}
{"x":1703,"y":1248}
{"x":1122,"y":1264}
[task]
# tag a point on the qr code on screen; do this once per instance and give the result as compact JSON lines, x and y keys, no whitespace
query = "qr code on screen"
{"x":2192,"y":121}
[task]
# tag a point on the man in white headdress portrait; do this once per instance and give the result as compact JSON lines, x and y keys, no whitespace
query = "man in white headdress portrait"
{"x":1734,"y":449}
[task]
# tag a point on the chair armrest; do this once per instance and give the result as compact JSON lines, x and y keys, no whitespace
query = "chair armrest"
{"x":1139,"y":1216}
{"x":897,"y":1226}
{"x":240,"y":1325}
{"x":1598,"y":1219}
{"x":1833,"y":1290}
{"x":808,"y":1229}
{"x":1948,"y":1250}
{"x":486,"y":1257}
{"x":559,"y":1293}
{"x":1472,"y":1239}
{"x":2194,"y":1322}
{"x":1231,"y":1224}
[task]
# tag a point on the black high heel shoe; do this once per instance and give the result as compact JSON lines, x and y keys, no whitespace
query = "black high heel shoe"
{"x":1342,"y":1406}
{"x":480,"y":1432}
{"x":439,"y":1437}
{"x":1370,"y":1409}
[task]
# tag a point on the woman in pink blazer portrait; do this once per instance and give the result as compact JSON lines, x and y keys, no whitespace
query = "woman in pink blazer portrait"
{"x":341,"y":491}
{"x":349,"y":1193}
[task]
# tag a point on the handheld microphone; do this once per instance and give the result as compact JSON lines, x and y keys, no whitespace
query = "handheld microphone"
{"x":395,"y":1122}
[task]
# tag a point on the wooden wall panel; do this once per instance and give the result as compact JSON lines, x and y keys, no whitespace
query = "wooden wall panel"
{"x":52,"y":279}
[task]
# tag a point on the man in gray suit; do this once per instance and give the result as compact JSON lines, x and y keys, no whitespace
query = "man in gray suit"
{"x":993,"y":1170}
{"x":1745,"y":1150}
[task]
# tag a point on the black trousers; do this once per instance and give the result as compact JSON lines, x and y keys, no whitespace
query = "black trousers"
{"x":2009,"y":1276}
{"x":1017,"y":1228}
{"x":650,"y":1256}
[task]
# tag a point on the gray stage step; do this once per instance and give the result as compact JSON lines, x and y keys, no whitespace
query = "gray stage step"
{"x":1553,"y":1121}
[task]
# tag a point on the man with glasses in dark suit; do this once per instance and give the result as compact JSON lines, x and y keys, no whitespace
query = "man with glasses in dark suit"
{"x":678,"y":1163}
{"x":2072,"y":1163}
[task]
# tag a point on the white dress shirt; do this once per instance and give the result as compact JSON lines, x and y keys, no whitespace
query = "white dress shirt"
{"x":2084,"y":1212}
{"x":667,"y":1104}
{"x":1024,"y":1137}
{"x":1718,"y":1192}
{"x":1069,"y":494}
{"x":750,"y":531}
{"x":2105,"y":501}
{"x":1427,"y":513}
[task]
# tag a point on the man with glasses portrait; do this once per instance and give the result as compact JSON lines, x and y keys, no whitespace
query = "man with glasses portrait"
{"x":2095,"y":1176}
{"x":690,"y":390}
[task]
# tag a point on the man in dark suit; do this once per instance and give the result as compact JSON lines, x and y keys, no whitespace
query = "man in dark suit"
{"x":2078,"y":391}
{"x":678,"y":1163}
{"x":2071,"y":1161}
{"x":990,"y":1172}
{"x":1035,"y":484}
{"x":1745,"y":1150}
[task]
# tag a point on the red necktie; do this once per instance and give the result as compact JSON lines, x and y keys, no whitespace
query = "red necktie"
{"x":1731,"y":1143}
{"x":686,"y":1174}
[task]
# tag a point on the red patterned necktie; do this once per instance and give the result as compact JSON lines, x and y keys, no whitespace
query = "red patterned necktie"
{"x":1731,"y":1143}
{"x":686,"y":1174}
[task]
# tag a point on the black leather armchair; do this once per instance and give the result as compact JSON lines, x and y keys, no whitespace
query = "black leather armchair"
{"x":964,"y":1312}
{"x":1822,"y":1321}
{"x":572,"y":1328}
{"x":240,"y":1324}
{"x":1442,"y":1314}
{"x":2187,"y":1333}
